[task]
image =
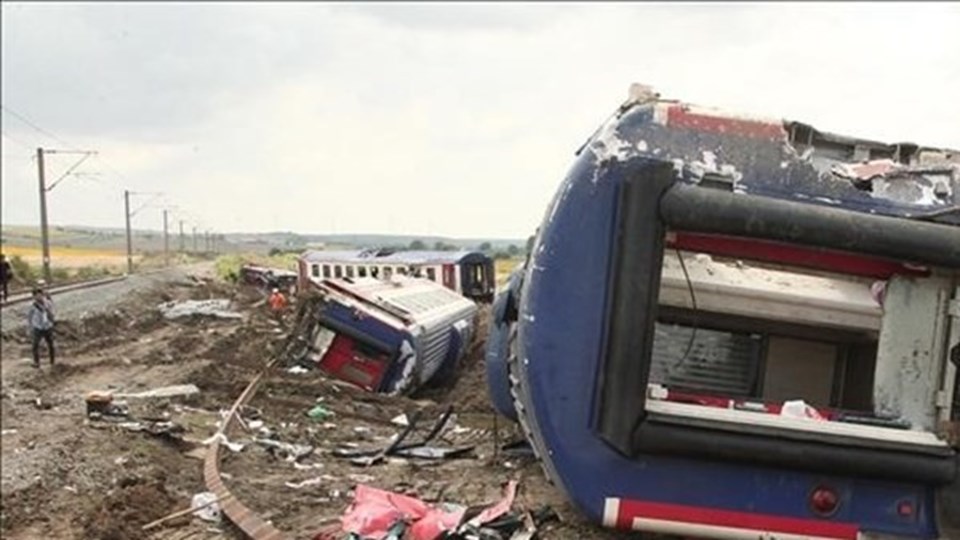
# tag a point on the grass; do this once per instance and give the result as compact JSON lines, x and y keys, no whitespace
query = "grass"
{"x":503,"y":268}
{"x":228,"y":266}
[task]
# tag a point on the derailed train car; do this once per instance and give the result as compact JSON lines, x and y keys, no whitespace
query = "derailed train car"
{"x":733,"y":327}
{"x":390,"y":336}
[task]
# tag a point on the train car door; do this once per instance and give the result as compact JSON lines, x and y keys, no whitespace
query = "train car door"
{"x":449,"y":277}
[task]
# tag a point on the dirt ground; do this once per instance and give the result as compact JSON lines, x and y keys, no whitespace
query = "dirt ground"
{"x":67,"y":476}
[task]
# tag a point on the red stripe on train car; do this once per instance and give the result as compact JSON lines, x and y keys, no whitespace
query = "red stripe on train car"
{"x":629,"y":510}
{"x":764,"y":250}
{"x":679,"y":116}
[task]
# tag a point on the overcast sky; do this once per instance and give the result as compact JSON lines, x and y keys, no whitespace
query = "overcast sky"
{"x":456,"y":119}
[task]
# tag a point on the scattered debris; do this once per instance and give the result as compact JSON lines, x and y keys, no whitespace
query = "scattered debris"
{"x":211,"y":308}
{"x":377,"y":514}
{"x":319,"y":413}
{"x":162,"y":428}
{"x":234,"y":447}
{"x":401,"y":420}
{"x":205,"y":507}
{"x":286,"y":451}
{"x":165,"y":392}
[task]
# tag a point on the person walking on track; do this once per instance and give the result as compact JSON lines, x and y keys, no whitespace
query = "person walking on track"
{"x":41,"y":321}
{"x":6,"y":274}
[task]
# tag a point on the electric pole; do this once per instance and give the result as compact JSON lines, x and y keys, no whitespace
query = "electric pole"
{"x":181,"y":236}
{"x":44,"y":227}
{"x":194,"y":239}
{"x":44,"y":235}
{"x":126,"y":207}
{"x":166,"y":240}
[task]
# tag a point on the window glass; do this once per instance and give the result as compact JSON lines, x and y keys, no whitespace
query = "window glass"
{"x":431,"y":274}
{"x":349,"y":271}
{"x":338,"y":271}
{"x":362,"y":271}
{"x":326,"y":270}
{"x":315,"y":270}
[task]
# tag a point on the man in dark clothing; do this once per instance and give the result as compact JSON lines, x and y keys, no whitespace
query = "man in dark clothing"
{"x":6,"y":274}
{"x":41,"y":322}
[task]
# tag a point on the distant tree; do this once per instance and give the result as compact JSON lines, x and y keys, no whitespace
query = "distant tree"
{"x":513,"y":250}
{"x":418,"y":245}
{"x":485,"y":247}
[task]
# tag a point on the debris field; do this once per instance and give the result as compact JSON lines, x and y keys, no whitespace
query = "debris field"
{"x":109,"y":443}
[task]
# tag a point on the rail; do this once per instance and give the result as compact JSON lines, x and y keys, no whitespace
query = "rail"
{"x":26,"y":296}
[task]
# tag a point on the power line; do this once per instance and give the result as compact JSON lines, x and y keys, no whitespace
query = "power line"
{"x":14,"y":139}
{"x":38,"y":129}
{"x":121,"y":184}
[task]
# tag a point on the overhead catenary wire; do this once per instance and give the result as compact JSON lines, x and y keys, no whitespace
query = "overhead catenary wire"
{"x":116,"y":178}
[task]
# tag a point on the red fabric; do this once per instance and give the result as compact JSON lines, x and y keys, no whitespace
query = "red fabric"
{"x":374,"y":511}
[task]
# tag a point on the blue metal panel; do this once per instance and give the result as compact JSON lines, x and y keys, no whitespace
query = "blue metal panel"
{"x":498,"y":346}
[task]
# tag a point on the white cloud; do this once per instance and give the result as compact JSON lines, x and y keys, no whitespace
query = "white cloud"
{"x":455,"y":119}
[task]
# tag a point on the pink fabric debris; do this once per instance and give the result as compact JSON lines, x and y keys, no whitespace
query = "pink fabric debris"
{"x":375,"y":511}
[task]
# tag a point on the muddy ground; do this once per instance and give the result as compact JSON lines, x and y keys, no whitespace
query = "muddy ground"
{"x":67,"y":476}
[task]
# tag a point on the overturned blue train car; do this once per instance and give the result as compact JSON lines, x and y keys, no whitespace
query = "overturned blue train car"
{"x":390,"y":336}
{"x":739,"y":328}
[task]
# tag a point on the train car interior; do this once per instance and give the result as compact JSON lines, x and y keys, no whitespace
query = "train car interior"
{"x":758,"y":346}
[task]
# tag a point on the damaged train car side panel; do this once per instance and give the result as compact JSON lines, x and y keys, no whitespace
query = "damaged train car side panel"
{"x":388,"y":336}
{"x":735,"y":327}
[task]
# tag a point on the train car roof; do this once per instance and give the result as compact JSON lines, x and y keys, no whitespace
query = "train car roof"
{"x":411,"y":300}
{"x":382,"y":256}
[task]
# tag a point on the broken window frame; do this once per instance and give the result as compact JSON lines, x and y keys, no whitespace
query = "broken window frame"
{"x":624,"y":409}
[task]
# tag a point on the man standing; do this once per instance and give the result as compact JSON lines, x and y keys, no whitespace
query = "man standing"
{"x":6,"y":274}
{"x":40,"y":319}
{"x":278,"y":303}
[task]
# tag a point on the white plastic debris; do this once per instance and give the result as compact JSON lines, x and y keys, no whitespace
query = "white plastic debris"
{"x":401,"y":420}
{"x":255,"y":424}
{"x":206,"y":507}
{"x":219,"y":307}
{"x":309,"y":482}
{"x":297,"y":370}
{"x":234,"y":447}
{"x":799,"y":409}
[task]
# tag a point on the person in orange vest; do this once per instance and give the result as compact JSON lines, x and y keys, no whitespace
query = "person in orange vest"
{"x":278,"y":304}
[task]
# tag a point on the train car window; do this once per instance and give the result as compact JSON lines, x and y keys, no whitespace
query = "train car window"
{"x":402,"y":271}
{"x":315,"y":270}
{"x":349,"y":270}
{"x":338,"y":271}
{"x":431,"y":274}
{"x":326,"y":270}
{"x":387,"y":272}
{"x":374,"y":272}
{"x":362,"y":271}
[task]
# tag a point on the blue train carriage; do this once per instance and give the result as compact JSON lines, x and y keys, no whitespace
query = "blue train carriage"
{"x":470,"y":273}
{"x":390,"y":336}
{"x":742,"y":328}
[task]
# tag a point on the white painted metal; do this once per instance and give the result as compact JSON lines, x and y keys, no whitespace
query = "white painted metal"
{"x":911,"y":352}
{"x":738,"y":289}
{"x":740,"y":421}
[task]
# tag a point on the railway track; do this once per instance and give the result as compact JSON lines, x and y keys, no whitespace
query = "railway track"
{"x":20,"y":298}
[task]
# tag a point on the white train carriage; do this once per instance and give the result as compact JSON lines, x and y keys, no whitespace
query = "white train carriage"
{"x":469,"y":273}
